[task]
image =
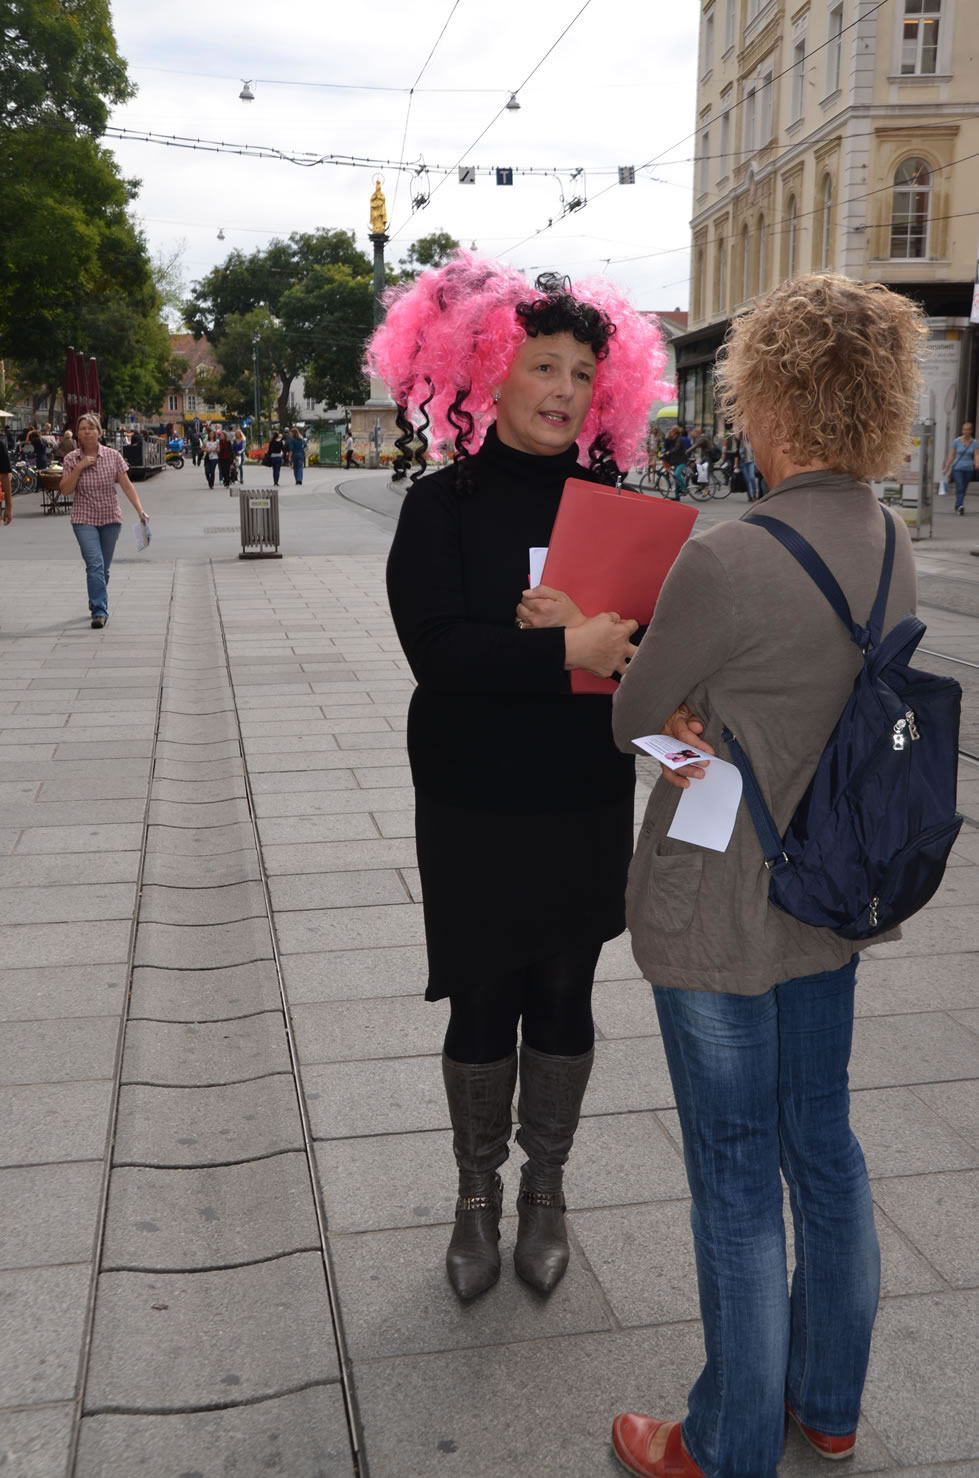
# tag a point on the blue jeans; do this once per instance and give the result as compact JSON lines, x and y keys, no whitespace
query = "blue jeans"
{"x":761,"y":1087}
{"x":962,"y":476}
{"x":298,"y":463}
{"x":748,"y":468}
{"x":276,"y":467}
{"x":98,"y":544}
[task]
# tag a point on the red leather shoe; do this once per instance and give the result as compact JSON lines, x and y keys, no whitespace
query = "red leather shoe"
{"x":834,"y":1448}
{"x":631,"y":1436}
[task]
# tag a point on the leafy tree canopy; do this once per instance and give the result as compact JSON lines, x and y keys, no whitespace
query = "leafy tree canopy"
{"x":428,"y":251}
{"x":59,"y":64}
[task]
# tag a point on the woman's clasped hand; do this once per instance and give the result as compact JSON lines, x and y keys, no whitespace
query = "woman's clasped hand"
{"x":598,"y":644}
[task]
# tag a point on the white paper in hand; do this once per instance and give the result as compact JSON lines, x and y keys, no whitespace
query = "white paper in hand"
{"x":537,"y":558}
{"x":670,"y":752}
{"x":142,"y":532}
{"x":708,"y":807}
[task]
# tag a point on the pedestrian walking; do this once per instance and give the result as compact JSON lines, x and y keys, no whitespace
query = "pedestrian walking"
{"x":196,"y":453}
{"x":746,"y":459}
{"x":296,"y":448}
{"x":238,"y":448}
{"x":211,"y":448}
{"x":756,"y":1007}
{"x":65,"y":445}
{"x":225,"y":458}
{"x":40,"y":448}
{"x":348,"y":449}
{"x":90,"y":477}
{"x":537,"y":770}
{"x":276,"y":452}
{"x":6,"y":488}
{"x":963,"y":461}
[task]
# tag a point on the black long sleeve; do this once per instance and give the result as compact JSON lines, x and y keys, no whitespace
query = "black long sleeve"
{"x":493,"y":722}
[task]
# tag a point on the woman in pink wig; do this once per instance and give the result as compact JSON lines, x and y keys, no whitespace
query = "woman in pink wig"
{"x":524,"y":807}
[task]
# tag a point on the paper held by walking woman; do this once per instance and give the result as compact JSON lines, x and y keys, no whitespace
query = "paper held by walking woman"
{"x":708,"y":807}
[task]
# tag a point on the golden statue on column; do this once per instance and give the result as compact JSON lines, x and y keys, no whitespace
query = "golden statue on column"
{"x":379,"y":212}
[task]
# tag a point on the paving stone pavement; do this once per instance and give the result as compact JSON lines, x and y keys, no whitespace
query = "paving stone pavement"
{"x":225,"y":1165}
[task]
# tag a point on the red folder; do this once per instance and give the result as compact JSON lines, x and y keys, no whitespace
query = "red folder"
{"x":611,"y":552}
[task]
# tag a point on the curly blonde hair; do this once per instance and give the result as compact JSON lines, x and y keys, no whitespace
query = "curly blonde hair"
{"x":829,"y":368}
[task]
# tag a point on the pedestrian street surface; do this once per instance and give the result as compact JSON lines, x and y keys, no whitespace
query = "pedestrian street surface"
{"x":226,"y":1180}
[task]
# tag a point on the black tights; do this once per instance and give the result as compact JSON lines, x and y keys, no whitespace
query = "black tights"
{"x":553,"y":996}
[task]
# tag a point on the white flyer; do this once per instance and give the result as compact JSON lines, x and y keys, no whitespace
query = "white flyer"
{"x":670,"y":752}
{"x":537,"y":558}
{"x":708,"y":807}
{"x":142,"y":532}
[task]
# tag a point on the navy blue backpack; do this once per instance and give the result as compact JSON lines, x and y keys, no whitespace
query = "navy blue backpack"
{"x":869,"y":840}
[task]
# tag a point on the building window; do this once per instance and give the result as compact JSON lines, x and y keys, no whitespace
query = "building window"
{"x":729,"y":20}
{"x":762,"y":254}
{"x":708,"y":61}
{"x":765,"y":110}
{"x":192,"y":402}
{"x":172,"y":403}
{"x":798,"y":79}
{"x":834,"y":49}
{"x":720,"y":281}
{"x":725,"y":160}
{"x":793,"y":237}
{"x":909,"y":214}
{"x":704,"y":161}
{"x":826,"y":244}
{"x":749,"y":123}
{"x":745,"y":265}
{"x":919,"y":42}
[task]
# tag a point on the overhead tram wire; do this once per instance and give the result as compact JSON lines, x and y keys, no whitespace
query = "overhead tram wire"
{"x":411,"y":94}
{"x":693,"y":134}
{"x":503,"y":109}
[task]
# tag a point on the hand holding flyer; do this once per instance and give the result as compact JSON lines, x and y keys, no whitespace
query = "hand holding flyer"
{"x":670,"y":752}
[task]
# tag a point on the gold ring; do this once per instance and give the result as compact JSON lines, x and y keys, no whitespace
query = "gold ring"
{"x":519,"y":624}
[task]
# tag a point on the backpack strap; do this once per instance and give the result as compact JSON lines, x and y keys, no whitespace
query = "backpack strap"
{"x":771,"y":842}
{"x":819,"y":572}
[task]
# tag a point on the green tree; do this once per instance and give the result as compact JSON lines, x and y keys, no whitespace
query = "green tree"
{"x":60,"y":65}
{"x":272,"y":280}
{"x":331,"y":313}
{"x":74,"y":268}
{"x":428,"y":251}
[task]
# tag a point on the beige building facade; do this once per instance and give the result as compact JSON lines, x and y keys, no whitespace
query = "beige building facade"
{"x":837,"y":135}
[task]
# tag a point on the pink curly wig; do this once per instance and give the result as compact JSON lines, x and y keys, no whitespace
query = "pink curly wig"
{"x":456,"y":330}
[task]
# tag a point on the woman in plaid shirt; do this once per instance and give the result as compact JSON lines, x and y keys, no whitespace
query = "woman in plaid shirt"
{"x":90,"y":477}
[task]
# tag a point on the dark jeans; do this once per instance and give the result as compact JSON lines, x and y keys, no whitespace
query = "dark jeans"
{"x":962,"y":476}
{"x":276,"y":467}
{"x":762,"y":1092}
{"x":98,"y":544}
{"x":210,"y":467}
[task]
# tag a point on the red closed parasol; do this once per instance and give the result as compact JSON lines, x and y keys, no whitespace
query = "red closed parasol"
{"x":94,"y":389}
{"x":72,"y":407}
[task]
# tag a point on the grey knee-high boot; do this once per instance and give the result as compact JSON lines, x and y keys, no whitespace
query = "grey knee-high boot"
{"x":480,"y":1106}
{"x":551,"y":1092}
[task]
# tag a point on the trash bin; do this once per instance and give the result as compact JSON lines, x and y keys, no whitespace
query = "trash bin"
{"x":259,"y":524}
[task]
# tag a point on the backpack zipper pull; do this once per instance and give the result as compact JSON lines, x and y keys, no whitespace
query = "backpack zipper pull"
{"x":912,"y":726}
{"x":900,"y":738}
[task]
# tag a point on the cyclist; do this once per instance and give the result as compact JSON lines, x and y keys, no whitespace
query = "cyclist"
{"x":675,"y":450}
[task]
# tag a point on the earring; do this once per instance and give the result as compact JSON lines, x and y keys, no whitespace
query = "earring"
{"x":496,"y":397}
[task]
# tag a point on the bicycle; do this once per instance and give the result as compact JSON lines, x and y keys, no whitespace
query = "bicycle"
{"x":23,"y":479}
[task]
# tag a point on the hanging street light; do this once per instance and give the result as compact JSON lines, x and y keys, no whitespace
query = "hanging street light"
{"x":246,"y":94}
{"x":513,"y":106}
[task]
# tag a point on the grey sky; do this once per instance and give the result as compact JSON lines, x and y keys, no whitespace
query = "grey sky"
{"x":619,"y":89}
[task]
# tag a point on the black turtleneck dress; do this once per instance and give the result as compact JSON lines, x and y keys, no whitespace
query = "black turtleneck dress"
{"x":524,"y":806}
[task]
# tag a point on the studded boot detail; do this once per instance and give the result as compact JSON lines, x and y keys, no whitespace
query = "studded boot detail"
{"x":551,"y":1094}
{"x":480,"y":1099}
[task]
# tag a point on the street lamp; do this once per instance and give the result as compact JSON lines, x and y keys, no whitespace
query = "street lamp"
{"x":246,"y":94}
{"x":256,"y":340}
{"x":512,"y":106}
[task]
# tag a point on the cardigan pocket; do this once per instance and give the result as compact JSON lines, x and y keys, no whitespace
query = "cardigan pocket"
{"x":662,"y":890}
